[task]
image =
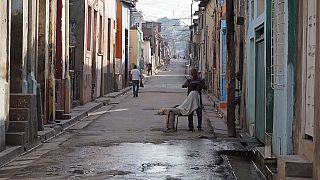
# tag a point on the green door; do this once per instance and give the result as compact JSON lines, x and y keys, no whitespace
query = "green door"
{"x":260,"y":88}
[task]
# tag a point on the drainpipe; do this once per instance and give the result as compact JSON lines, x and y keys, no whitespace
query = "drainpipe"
{"x":67,"y":105}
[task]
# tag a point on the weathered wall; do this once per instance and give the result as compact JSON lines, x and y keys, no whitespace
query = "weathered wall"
{"x":210,"y":41}
{"x":283,"y":95}
{"x":109,"y":62}
{"x":78,"y":21}
{"x":146,"y":52}
{"x":317,"y":100}
{"x":134,"y":41}
{"x":4,"y":68}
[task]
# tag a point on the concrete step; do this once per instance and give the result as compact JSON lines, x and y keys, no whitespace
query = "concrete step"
{"x":265,"y":161}
{"x":19,"y":114}
{"x":294,"y":166}
{"x":264,"y":155}
{"x":18,"y":126}
{"x":16,"y":138}
{"x":21,"y":100}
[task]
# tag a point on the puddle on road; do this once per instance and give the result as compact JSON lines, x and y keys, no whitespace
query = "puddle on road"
{"x":244,"y":168}
{"x":193,"y":159}
{"x":197,"y":159}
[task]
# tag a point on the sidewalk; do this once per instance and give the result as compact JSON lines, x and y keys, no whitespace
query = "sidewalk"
{"x":54,"y":130}
{"x":215,"y":117}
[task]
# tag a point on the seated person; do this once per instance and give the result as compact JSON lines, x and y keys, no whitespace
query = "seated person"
{"x":190,"y":104}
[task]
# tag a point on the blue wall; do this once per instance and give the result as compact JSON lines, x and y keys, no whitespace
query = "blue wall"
{"x":223,"y":61}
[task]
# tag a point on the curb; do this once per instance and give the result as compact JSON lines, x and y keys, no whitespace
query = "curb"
{"x":215,"y":105}
{"x":53,"y":131}
{"x":10,"y":154}
{"x":120,"y":93}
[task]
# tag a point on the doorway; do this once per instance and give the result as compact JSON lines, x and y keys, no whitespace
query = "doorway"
{"x":260,"y":86}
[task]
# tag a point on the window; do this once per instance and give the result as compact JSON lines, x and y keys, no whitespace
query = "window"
{"x":89,"y":29}
{"x":260,"y":7}
{"x":100,"y":35}
{"x":252,"y":9}
{"x":109,"y":38}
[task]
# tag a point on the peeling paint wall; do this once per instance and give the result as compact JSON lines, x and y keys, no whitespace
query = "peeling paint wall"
{"x":4,"y":68}
{"x":317,"y":99}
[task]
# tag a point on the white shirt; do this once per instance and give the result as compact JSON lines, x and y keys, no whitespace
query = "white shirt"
{"x":191,"y":103}
{"x":135,"y":74}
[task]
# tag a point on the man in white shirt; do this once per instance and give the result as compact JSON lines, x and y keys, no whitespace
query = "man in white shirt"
{"x":136,"y":76}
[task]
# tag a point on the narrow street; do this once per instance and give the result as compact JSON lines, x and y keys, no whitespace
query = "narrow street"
{"x":124,"y":140}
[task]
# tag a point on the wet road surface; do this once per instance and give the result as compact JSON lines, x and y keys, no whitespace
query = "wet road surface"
{"x":125,"y":141}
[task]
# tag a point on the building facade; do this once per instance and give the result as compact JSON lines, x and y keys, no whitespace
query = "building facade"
{"x":88,"y":44}
{"x":306,"y":115}
{"x":151,"y":32}
{"x":136,"y":51}
{"x":4,"y":70}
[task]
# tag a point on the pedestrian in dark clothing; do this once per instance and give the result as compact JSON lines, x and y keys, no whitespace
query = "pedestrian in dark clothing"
{"x":149,"y":68}
{"x":200,"y":83}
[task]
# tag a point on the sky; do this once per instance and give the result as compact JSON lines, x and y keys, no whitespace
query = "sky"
{"x":155,"y":9}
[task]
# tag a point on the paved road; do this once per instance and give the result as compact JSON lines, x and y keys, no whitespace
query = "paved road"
{"x":125,"y":141}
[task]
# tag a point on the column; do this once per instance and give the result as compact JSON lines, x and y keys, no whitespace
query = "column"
{"x":32,"y":46}
{"x":19,"y":43}
{"x":67,"y":105}
{"x":51,"y":97}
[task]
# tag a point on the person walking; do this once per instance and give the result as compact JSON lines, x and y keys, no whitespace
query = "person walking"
{"x":136,"y":77}
{"x":200,"y":83}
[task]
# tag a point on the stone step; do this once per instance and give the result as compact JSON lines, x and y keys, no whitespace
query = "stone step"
{"x":16,"y":138}
{"x":19,"y":114}
{"x":294,"y":166}
{"x":21,"y":100}
{"x":264,"y":155}
{"x":18,"y":126}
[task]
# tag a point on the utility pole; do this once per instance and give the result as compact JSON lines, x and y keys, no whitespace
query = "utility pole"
{"x":191,"y":12}
{"x":231,"y":69}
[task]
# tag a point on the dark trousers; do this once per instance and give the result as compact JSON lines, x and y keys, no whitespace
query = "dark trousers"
{"x":199,"y":115}
{"x":135,"y":87}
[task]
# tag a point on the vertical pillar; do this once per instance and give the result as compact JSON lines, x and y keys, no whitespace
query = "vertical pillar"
{"x":32,"y":46}
{"x":42,"y":53}
{"x":316,"y":160}
{"x":51,"y":100}
{"x":67,"y":106}
{"x":59,"y":59}
{"x":18,"y":50}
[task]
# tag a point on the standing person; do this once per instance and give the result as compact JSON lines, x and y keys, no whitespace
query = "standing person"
{"x":200,"y":83}
{"x":149,"y":68}
{"x":136,"y":76}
